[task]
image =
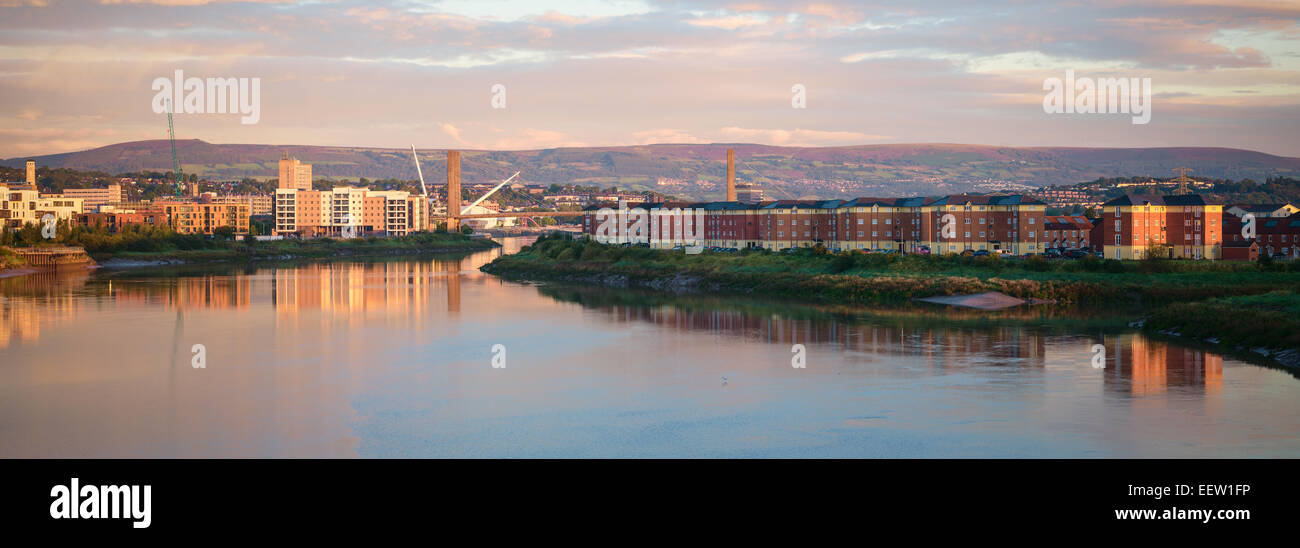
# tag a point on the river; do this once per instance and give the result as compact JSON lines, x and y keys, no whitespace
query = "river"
{"x":428,"y":357}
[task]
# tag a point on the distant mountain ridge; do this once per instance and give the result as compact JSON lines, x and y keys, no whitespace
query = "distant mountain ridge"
{"x":695,"y":170}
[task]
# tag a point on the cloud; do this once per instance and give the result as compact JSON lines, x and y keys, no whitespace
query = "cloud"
{"x":665,"y":135}
{"x":799,"y":137}
{"x":452,"y":131}
{"x":532,"y":138}
{"x":389,"y":72}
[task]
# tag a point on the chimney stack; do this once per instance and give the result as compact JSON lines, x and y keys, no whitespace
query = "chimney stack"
{"x":453,"y":190}
{"x":731,"y":175}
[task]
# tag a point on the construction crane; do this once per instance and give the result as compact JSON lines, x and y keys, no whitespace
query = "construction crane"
{"x":176,"y":164}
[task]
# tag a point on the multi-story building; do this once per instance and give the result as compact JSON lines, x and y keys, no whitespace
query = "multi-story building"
{"x":63,"y":208}
{"x":114,"y":220}
{"x":21,"y":206}
{"x":199,"y":218}
{"x":1068,"y":232}
{"x":1185,"y":225}
{"x":17,"y":206}
{"x":1275,"y":235}
{"x":1262,"y":210}
{"x":348,"y":210}
{"x":294,"y":174}
{"x":749,"y":193}
{"x":1009,"y":223}
{"x":951,"y":224}
{"x":95,"y":198}
{"x":258,"y":204}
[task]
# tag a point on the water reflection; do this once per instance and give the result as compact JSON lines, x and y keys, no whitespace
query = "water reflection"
{"x":391,"y":358}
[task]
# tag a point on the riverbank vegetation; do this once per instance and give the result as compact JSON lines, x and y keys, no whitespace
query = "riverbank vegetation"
{"x":9,"y":259}
{"x":1270,"y":320}
{"x":861,"y":278}
{"x":146,"y":244}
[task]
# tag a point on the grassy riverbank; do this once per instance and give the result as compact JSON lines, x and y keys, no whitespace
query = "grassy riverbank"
{"x":9,"y":259}
{"x":1265,"y":321}
{"x":217,"y":250}
{"x":857,"y":278}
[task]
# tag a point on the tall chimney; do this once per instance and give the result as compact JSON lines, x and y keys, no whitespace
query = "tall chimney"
{"x":31,"y":172}
{"x":731,"y":175}
{"x":453,"y":190}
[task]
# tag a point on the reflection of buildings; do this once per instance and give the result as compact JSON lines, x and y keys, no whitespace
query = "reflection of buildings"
{"x":26,"y":301}
{"x":944,"y":346}
{"x":348,"y":290}
{"x":1143,"y":366}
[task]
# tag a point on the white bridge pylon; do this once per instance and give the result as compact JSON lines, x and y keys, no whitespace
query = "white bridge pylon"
{"x":425,"y":191}
{"x":489,"y":193}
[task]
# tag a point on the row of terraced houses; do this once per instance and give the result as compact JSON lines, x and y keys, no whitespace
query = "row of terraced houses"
{"x":1186,"y":225}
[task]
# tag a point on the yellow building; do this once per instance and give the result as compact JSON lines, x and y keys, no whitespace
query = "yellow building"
{"x":17,"y":207}
{"x":63,"y":208}
{"x":294,"y":174}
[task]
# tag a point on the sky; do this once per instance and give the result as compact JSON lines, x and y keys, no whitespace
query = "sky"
{"x":78,"y":74}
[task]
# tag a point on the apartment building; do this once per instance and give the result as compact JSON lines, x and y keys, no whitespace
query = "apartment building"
{"x":19,"y":206}
{"x":1002,"y":223}
{"x":294,"y":174}
{"x":348,"y":210}
{"x":1262,"y":210}
{"x":114,"y":220}
{"x":200,"y":218}
{"x":1068,"y":232}
{"x":1135,"y":224}
{"x":95,"y":198}
{"x":1275,"y":235}
{"x":258,"y":204}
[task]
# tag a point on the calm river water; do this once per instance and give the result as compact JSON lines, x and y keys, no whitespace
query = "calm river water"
{"x":398,"y":359}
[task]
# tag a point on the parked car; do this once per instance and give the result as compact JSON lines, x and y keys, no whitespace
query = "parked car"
{"x":1279,"y":256}
{"x":923,"y":250}
{"x":980,"y":253}
{"x":1052,"y":254}
{"x":1076,"y":254}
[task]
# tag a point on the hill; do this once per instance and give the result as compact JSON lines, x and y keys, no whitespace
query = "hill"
{"x":696,"y":170}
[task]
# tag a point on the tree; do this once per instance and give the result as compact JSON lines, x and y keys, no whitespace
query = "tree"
{"x":224,"y":232}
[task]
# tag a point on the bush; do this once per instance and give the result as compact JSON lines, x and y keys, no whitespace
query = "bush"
{"x":842,"y":262}
{"x":1037,"y":263}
